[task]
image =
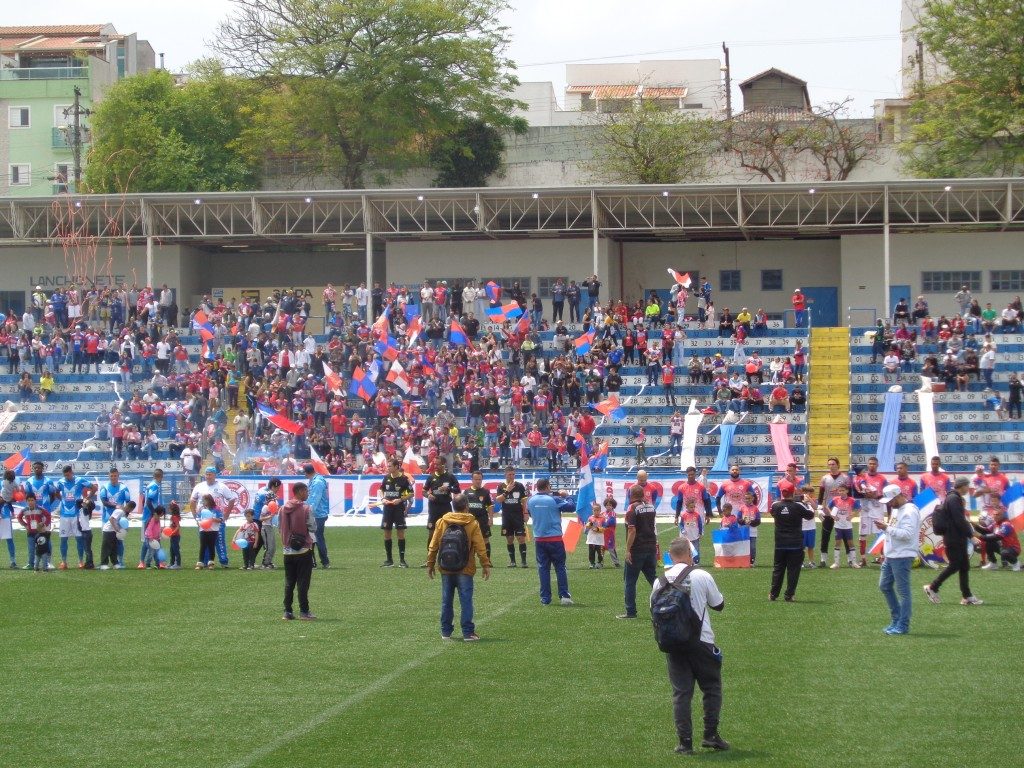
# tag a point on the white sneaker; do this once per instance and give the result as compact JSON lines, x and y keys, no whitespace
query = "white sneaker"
{"x":972,"y":600}
{"x":931,"y":594}
{"x":104,"y":567}
{"x":566,"y":601}
{"x":834,"y":566}
{"x":990,"y":567}
{"x":1015,"y":567}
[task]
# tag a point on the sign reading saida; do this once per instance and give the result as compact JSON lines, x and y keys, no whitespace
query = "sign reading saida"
{"x":312,"y":294}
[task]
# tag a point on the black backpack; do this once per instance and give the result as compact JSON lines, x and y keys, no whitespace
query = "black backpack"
{"x":677,"y":626}
{"x":939,"y":518}
{"x":453,"y":552}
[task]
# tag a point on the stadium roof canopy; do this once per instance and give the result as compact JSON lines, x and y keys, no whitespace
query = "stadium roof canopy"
{"x":681,"y":212}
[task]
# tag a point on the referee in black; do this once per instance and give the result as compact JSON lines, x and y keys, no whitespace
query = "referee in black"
{"x":512,"y":496}
{"x":439,"y":489}
{"x":395,"y":491}
{"x":481,"y":507}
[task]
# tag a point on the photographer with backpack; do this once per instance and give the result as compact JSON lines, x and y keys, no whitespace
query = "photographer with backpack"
{"x":679,"y":612}
{"x":457,"y":538}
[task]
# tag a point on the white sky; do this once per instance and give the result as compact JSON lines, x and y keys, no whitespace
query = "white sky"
{"x":857,"y":52}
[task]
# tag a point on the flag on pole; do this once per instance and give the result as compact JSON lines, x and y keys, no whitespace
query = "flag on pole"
{"x":411,"y":463}
{"x":374,"y":371}
{"x":19,"y":462}
{"x":362,"y":385}
{"x":583,"y":343}
{"x":610,"y":408}
{"x":427,"y":366}
{"x":387,"y":347}
{"x":523,"y":326}
{"x":457,"y":334}
{"x":280,"y":421}
{"x":381,"y":324}
{"x":493,"y":291}
{"x":682,"y":279}
{"x":732,"y":547}
{"x":585,"y":494}
{"x":414,"y":329}
{"x":332,"y":379}
{"x":317,"y":462}
{"x":509,"y":311}
{"x":399,"y":377}
{"x":599,"y":461}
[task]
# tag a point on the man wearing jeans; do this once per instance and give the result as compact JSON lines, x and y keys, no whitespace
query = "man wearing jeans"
{"x":320,"y":503}
{"x":641,"y":547}
{"x":461,"y":580}
{"x":902,"y":534}
{"x":549,"y":547}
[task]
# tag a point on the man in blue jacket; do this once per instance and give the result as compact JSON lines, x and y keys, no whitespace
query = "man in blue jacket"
{"x":547,"y":537}
{"x":320,"y":503}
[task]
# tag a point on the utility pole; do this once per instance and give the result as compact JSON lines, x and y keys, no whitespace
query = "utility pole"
{"x":728,"y":84}
{"x":920,"y":65}
{"x":76,"y":112}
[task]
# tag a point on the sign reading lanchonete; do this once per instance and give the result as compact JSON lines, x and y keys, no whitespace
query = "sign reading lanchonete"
{"x":63,"y":281}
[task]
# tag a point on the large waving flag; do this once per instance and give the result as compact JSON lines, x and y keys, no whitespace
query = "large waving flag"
{"x":399,"y":377}
{"x":317,"y":462}
{"x":427,"y":366}
{"x":414,"y":329}
{"x":19,"y":462}
{"x":280,"y":421}
{"x":411,"y":463}
{"x":599,"y":461}
{"x":1013,"y":500}
{"x":201,"y":322}
{"x":523,"y":326}
{"x":493,"y":291}
{"x":509,"y":311}
{"x":732,"y":547}
{"x":583,"y":343}
{"x":362,"y":385}
{"x":610,"y":408}
{"x":381,"y":324}
{"x":585,"y":494}
{"x":374,"y":371}
{"x":682,"y":279}
{"x":457,"y":334}
{"x":387,"y":347}
{"x":332,"y":379}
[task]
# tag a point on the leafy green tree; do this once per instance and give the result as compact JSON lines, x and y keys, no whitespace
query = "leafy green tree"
{"x":153,"y":136}
{"x":972,"y":122}
{"x":363,"y":84}
{"x":468,"y":155}
{"x":647,"y":144}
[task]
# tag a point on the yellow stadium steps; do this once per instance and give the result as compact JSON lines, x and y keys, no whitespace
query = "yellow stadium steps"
{"x":828,"y":421}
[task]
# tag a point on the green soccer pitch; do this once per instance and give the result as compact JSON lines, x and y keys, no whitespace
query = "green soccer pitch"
{"x":197,"y":669}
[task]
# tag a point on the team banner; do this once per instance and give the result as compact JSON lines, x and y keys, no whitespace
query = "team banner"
{"x":357,"y":497}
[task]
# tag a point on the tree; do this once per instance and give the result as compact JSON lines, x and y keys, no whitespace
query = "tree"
{"x":369,"y":83}
{"x":647,"y":144}
{"x":781,"y":145}
{"x":972,"y":123}
{"x":151,"y":136}
{"x":468,"y":155}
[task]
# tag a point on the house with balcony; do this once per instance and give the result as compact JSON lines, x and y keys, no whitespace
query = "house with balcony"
{"x":41,"y":68}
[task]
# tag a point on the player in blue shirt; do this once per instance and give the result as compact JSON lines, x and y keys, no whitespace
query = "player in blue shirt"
{"x":71,"y":490}
{"x":45,"y":492}
{"x":152,"y":497}
{"x":266,"y":521}
{"x":113,"y":495}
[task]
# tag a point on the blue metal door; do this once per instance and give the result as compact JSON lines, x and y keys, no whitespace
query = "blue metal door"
{"x":823,"y":304}
{"x":897,"y":292}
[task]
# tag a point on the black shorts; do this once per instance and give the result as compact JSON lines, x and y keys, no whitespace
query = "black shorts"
{"x":433,"y":515}
{"x":394,"y":517}
{"x":512,"y":525}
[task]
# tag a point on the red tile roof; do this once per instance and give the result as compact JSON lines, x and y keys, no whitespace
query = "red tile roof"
{"x":57,"y":29}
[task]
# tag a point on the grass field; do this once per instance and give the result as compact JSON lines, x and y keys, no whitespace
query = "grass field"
{"x":197,"y":669}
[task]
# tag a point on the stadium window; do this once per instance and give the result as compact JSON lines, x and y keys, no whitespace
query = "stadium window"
{"x":544,"y":285}
{"x":771,"y":279}
{"x":729,"y":280}
{"x":1007,"y":279}
{"x":506,"y":283}
{"x":19,"y":117}
{"x":950,"y":281}
{"x":20,"y":175}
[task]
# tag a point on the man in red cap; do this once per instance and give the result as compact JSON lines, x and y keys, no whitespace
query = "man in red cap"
{"x":789,"y":541}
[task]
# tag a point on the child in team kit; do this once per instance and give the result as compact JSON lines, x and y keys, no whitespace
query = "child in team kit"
{"x":729,"y":518}
{"x":691,"y":527}
{"x":750,"y":516}
{"x":610,"y":522}
{"x":809,"y":527}
{"x":841,"y":508}
{"x":36,"y":521}
{"x":175,"y":536}
{"x":250,"y":532}
{"x":595,"y":536}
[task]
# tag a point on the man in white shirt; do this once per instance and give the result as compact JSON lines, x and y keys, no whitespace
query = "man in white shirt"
{"x":225,"y":499}
{"x":190,"y":461}
{"x":987,"y":364}
{"x":902,"y":534}
{"x":426,"y":302}
{"x":701,"y":665}
{"x":362,"y":300}
{"x":163,"y":356}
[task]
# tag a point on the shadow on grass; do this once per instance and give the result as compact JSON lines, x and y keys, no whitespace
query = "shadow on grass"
{"x":732,"y":755}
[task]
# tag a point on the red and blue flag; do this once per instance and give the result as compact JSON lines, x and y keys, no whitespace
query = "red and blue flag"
{"x":610,"y":408}
{"x":583,"y":343}
{"x":457,"y":335}
{"x":509,"y":311}
{"x":280,"y":421}
{"x":362,"y":385}
{"x":387,"y":348}
{"x":493,"y":291}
